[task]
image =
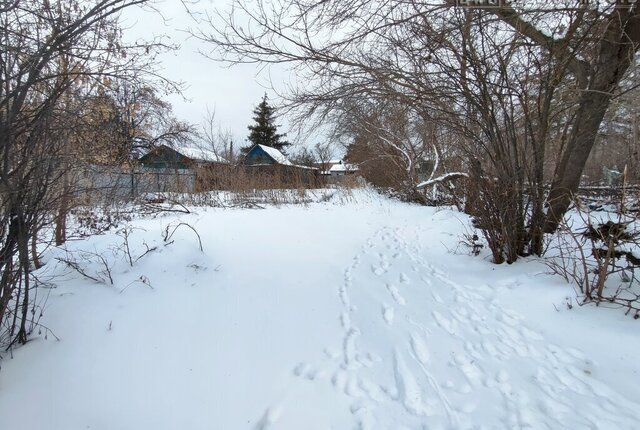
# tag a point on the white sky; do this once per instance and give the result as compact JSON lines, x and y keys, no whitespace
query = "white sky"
{"x":232,"y":92}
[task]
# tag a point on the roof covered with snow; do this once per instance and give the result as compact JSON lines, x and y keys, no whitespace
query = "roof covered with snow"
{"x":278,"y":156}
{"x":343,"y":167}
{"x":201,"y":154}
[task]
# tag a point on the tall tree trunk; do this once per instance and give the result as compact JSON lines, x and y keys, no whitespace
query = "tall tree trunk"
{"x":63,"y":210}
{"x":23,"y":255}
{"x":615,"y":55}
{"x":6,"y":283}
{"x":37,"y":263}
{"x":567,"y":179}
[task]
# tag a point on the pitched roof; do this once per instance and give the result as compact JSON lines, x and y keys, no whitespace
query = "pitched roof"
{"x":190,"y":152}
{"x":343,"y":167}
{"x":201,"y":154}
{"x":277,"y":156}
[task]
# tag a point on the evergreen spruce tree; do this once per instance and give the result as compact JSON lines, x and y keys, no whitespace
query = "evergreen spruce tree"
{"x":264,"y":131}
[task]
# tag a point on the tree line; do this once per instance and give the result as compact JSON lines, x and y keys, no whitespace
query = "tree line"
{"x":517,"y":95}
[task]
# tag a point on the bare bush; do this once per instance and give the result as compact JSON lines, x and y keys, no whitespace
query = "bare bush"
{"x":58,"y":59}
{"x":498,"y":209}
{"x":599,"y":253}
{"x":242,"y":185}
{"x":83,"y":261}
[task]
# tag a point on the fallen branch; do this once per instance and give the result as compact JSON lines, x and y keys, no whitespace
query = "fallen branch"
{"x":176,"y":207}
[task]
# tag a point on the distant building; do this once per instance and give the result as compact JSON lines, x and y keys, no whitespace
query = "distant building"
{"x":265,"y":155}
{"x":185,"y":168}
{"x":268,"y":165}
{"x":165,"y":157}
{"x":340,"y":168}
{"x":337,"y":171}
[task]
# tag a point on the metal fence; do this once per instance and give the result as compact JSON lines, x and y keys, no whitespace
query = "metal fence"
{"x":111,"y":183}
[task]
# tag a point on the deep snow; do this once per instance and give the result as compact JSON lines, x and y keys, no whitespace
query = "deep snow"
{"x":327,"y":316}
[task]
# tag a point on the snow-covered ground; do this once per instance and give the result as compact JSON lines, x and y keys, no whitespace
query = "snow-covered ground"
{"x":326,"y":316}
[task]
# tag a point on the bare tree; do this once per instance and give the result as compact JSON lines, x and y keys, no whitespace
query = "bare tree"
{"x":143,"y":120}
{"x":54,"y":56}
{"x":512,"y":81}
{"x":323,"y":152}
{"x":595,"y":50}
{"x":398,"y":148}
{"x":216,"y":139}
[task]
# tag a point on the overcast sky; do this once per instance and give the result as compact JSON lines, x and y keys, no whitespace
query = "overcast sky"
{"x":232,"y":92}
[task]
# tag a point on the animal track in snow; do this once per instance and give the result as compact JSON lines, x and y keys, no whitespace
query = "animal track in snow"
{"x":442,"y":322}
{"x":345,"y":321}
{"x":344,"y":297}
{"x":450,"y":326}
{"x":378,"y":270}
{"x":301,"y":369}
{"x":350,"y":347}
{"x":339,"y":380}
{"x":388,"y":314}
{"x":364,"y":415}
{"x":372,"y":390}
{"x":409,"y":392}
{"x":420,"y":349}
{"x":395,"y":294}
{"x":271,"y":416}
{"x":468,"y":367}
{"x":305,"y":370}
{"x":352,"y":387}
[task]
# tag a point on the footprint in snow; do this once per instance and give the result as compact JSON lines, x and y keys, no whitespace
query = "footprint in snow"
{"x":345,"y":321}
{"x":388,"y":314}
{"x":404,"y":279}
{"x":270,"y":417}
{"x":301,"y":369}
{"x":395,"y":294}
{"x":420,"y":350}
{"x":339,"y":380}
{"x":378,"y":270}
{"x":450,"y":326}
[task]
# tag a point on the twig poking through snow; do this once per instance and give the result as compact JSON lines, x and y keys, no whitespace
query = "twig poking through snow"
{"x":168,"y":236}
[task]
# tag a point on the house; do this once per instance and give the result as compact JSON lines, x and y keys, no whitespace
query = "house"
{"x":272,"y":169}
{"x":183,"y":169}
{"x":336,"y":171}
{"x":340,"y":168}
{"x":265,"y":155}
{"x":185,"y":158}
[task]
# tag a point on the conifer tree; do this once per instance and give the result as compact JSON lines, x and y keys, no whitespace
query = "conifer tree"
{"x":264,"y":131}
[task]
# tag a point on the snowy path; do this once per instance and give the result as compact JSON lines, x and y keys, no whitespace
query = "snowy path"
{"x":422,"y":351}
{"x":350,"y":317}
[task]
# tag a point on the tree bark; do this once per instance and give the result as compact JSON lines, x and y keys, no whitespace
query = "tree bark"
{"x":567,"y":179}
{"x":61,"y":217}
{"x":617,"y":48}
